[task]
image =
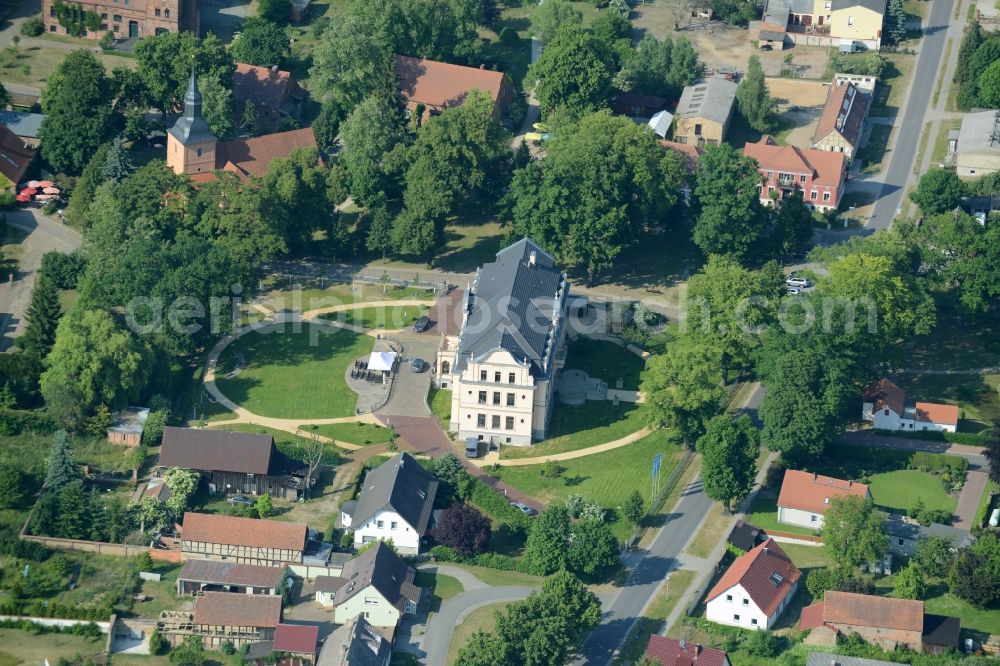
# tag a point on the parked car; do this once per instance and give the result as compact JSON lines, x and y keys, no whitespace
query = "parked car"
{"x":471,"y":447}
{"x":796,"y":281}
{"x":242,"y":500}
{"x":418,"y":365}
{"x":766,"y":47}
{"x":524,"y":508}
{"x":420,"y":325}
{"x":792,"y":291}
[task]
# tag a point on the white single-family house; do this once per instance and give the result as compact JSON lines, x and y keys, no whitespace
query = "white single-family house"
{"x":885,"y":407}
{"x":755,"y":589}
{"x":377,"y":585}
{"x":396,"y":502}
{"x":805,"y":497}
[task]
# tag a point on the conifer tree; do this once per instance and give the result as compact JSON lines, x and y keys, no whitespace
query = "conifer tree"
{"x":43,"y":316}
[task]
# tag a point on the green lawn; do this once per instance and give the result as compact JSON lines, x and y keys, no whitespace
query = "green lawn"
{"x":21,"y":647}
{"x":575,"y":427}
{"x":498,"y":578}
{"x":764,"y":514}
{"x":607,"y":361}
{"x":294,"y":374}
{"x":902,"y":488}
{"x":307,"y":295}
{"x":973,"y":619}
{"x":391,"y":317}
{"x":481,"y":619}
{"x":440,"y":402}
{"x":352,"y":433}
{"x":607,"y":478}
{"x":441,"y":587}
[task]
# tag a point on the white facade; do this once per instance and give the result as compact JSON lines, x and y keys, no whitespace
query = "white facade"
{"x":735,"y":608}
{"x":496,"y":399}
{"x":370,"y":603}
{"x":887,"y":419}
{"x":807,"y":519}
{"x":385,"y":526}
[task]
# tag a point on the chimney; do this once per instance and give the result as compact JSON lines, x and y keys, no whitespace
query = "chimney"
{"x":532,"y":258}
{"x":683,"y":644}
{"x":697,"y":648}
{"x":814,"y":476}
{"x":850,"y":484}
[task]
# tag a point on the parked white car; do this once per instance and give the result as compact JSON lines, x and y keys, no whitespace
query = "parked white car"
{"x":796,"y":281}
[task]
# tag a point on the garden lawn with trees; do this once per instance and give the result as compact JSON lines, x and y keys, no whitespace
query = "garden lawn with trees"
{"x":294,"y":374}
{"x":608,"y":478}
{"x":575,"y":427}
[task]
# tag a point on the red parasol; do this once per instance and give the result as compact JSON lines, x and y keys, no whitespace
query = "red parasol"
{"x":45,"y":183}
{"x":48,"y":189}
{"x":29,"y":191}
{"x":33,"y":183}
{"x":23,"y":198}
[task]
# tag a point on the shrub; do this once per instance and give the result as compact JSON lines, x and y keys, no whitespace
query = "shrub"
{"x":33,"y":27}
{"x":157,"y":643}
{"x":63,"y":269}
{"x":509,"y":37}
{"x":228,"y":648}
{"x":144,"y":561}
{"x":497,"y":506}
{"x":347,"y":540}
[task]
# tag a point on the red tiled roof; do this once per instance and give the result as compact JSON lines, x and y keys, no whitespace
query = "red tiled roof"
{"x":263,"y":86}
{"x":884,"y":393}
{"x":826,"y":168}
{"x":251,"y":157}
{"x":811,"y":617}
{"x":671,"y":652}
{"x":866,"y":610}
{"x":690,"y":152}
{"x":812,"y":492}
{"x":847,"y":121}
{"x":442,"y":85}
{"x":224,"y":609}
{"x":15,"y":157}
{"x":300,"y":638}
{"x":933,"y":412}
{"x":755,"y":572}
{"x":250,"y":532}
{"x":231,"y":573}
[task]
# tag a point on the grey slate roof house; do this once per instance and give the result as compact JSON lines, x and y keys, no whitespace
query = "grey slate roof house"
{"x":234,"y":462}
{"x":396,"y":502}
{"x":826,"y":659}
{"x":502,"y":365}
{"x":904,"y":535}
{"x":26,"y":126}
{"x":356,"y":643}
{"x":704,"y":111}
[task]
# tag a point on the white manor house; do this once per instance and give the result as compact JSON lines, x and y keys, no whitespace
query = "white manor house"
{"x":502,"y":364}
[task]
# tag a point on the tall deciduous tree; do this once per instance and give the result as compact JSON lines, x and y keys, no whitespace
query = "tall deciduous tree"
{"x":548,"y":17}
{"x":463,"y":528}
{"x":368,"y":133}
{"x":605,"y":181}
{"x":296,"y":198}
{"x":794,"y":224}
{"x":165,"y":62}
{"x":910,"y":583}
{"x":216,"y":103}
{"x":663,"y":67}
{"x":78,"y":115}
{"x":351,"y":63}
{"x":573,"y":73}
{"x":593,"y":547}
{"x":938,"y":191}
{"x":261,"y":43}
{"x":895,"y":21}
{"x":731,"y":219}
{"x":854,"y":531}
{"x":682,"y":388}
{"x":729,"y":450}
{"x":752,"y":97}
{"x":545,"y":548}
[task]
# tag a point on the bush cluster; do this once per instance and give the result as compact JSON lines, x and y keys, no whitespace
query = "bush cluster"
{"x":14,"y":422}
{"x":489,"y":560}
{"x":89,"y":629}
{"x":497,"y":506}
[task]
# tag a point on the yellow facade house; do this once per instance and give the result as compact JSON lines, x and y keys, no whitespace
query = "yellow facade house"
{"x":857,"y":21}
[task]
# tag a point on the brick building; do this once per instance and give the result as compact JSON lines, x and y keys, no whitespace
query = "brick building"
{"x":126,"y":19}
{"x":242,"y":540}
{"x":820,"y":175}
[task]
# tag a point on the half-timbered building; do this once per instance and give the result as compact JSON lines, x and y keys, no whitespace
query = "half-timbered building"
{"x":242,"y":540}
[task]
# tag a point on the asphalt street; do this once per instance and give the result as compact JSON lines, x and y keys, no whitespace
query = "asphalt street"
{"x":918,"y":103}
{"x":649,"y":567}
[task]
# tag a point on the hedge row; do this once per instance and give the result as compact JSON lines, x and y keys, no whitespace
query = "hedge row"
{"x":14,"y":422}
{"x":488,"y":560}
{"x":90,"y":629}
{"x":938,"y":462}
{"x":56,"y":609}
{"x":497,"y":506}
{"x":970,"y":438}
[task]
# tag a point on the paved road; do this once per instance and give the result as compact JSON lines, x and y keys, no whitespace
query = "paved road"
{"x":917,"y":106}
{"x":44,"y":235}
{"x":443,"y":623}
{"x":649,"y":567}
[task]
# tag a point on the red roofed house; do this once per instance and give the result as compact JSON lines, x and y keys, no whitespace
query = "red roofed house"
{"x":439,"y":85}
{"x":298,"y":642}
{"x":805,"y":497}
{"x":671,"y":652}
{"x":819,"y":174}
{"x":884,"y":621}
{"x":192,"y":148}
{"x":242,"y":540}
{"x":884,"y":404}
{"x":843,"y":118}
{"x":273,"y":92}
{"x":15,"y":158}
{"x":755,"y":589}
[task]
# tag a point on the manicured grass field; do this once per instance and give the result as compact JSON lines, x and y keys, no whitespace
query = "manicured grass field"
{"x":303,"y":297}
{"x":607,"y":478}
{"x":440,"y":402}
{"x":986,"y":621}
{"x":392,"y":317}
{"x":764,"y":514}
{"x":902,"y":488}
{"x":481,"y":619}
{"x":352,"y":433}
{"x":295,"y":374}
{"x":441,"y":587}
{"x":582,"y":426}
{"x":607,"y":361}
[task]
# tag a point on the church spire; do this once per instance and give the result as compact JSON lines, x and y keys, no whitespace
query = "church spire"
{"x":192,"y":99}
{"x":191,"y":127}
